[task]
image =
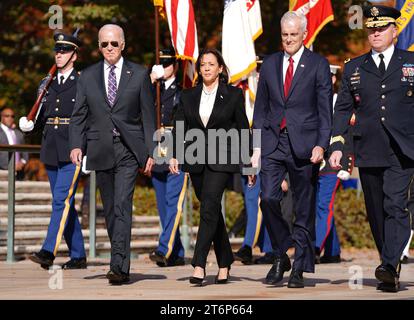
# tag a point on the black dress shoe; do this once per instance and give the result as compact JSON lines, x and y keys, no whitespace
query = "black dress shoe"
{"x":222,"y":281}
{"x":44,"y":258}
{"x":388,"y":287}
{"x":244,"y":254}
{"x":198,"y":281}
{"x":280,"y":266}
{"x":117,"y":278}
{"x":296,"y":279}
{"x":268,"y":258}
{"x":330,"y":259}
{"x":387,"y":274}
{"x":159,"y":258}
{"x":388,"y":277}
{"x":75,"y":263}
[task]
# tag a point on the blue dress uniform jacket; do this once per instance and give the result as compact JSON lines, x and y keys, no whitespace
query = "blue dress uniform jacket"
{"x":381,"y":104}
{"x":170,"y":99}
{"x":58,"y":103}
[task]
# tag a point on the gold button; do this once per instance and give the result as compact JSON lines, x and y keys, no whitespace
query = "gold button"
{"x":383,"y":108}
{"x":57,"y":109}
{"x":57,"y":100}
{"x":73,"y":100}
{"x":56,"y":127}
{"x":382,"y":119}
{"x":383,"y":86}
{"x":383,"y":96}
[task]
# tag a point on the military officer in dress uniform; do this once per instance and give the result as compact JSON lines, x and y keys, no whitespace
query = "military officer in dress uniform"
{"x":169,"y":188}
{"x":379,"y":85}
{"x":53,"y":119}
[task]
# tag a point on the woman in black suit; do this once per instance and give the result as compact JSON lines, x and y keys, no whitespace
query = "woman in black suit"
{"x":213,"y":104}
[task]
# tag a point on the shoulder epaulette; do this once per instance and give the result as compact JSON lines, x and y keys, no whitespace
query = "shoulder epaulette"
{"x":347,"y":60}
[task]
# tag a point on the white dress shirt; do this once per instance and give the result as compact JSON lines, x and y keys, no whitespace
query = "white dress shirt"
{"x":169,"y":82}
{"x":387,"y":56}
{"x":207,"y":103}
{"x":118,"y":70}
{"x":65,"y":75}
{"x":296,"y":57}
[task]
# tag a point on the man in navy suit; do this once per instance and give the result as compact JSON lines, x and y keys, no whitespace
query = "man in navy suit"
{"x":293,"y":110}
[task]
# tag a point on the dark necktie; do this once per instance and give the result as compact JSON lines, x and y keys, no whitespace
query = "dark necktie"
{"x":61,"y":79}
{"x":112,"y":86}
{"x":381,"y":66}
{"x":288,"y":82}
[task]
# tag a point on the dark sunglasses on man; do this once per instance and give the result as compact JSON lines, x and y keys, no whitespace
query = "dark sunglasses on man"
{"x":114,"y":44}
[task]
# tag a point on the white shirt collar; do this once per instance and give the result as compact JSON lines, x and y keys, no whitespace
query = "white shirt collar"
{"x":118,"y":65}
{"x":296,"y":57}
{"x":169,"y":82}
{"x":65,"y":75}
{"x":387,"y":55}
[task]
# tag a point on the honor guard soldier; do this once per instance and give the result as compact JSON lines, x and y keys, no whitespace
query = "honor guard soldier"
{"x":379,"y":85}
{"x":53,"y":119}
{"x":169,"y":188}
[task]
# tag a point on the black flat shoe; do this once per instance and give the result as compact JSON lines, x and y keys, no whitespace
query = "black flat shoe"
{"x":198,"y":281}
{"x":222,"y":281}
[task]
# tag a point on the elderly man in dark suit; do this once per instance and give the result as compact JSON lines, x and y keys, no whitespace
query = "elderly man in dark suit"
{"x":9,"y":135}
{"x":294,"y":112}
{"x":114,"y":102}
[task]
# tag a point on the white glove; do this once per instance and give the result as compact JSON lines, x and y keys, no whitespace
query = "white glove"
{"x":343,"y":175}
{"x":84,"y":170}
{"x":26,"y":125}
{"x":158,"y":70}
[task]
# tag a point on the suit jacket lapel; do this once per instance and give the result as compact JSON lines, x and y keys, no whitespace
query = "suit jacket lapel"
{"x":126,"y":74}
{"x":301,"y":67}
{"x":69,"y":82}
{"x":219,"y":102}
{"x":395,"y":63}
{"x":279,"y":74}
{"x":195,"y":109}
{"x":370,"y":66}
{"x":101,"y":82}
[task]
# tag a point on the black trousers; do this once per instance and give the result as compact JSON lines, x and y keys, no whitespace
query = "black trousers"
{"x":117,"y":186}
{"x":209,"y":187}
{"x":386,"y":192}
{"x":303,"y":178}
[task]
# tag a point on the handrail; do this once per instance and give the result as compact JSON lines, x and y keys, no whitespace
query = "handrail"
{"x":11,"y":189}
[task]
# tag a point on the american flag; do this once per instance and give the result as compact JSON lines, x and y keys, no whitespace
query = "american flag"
{"x":182,"y":25}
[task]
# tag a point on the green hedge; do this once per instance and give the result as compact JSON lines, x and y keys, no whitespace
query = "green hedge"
{"x":350,"y":215}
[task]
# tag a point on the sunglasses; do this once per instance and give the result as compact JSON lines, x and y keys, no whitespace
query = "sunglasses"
{"x":114,"y":44}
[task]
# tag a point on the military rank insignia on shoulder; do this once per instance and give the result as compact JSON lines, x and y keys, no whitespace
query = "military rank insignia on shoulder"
{"x":347,"y":60}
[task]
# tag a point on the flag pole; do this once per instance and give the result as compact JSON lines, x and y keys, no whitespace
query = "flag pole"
{"x":157,"y":6}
